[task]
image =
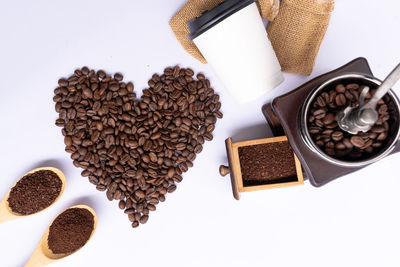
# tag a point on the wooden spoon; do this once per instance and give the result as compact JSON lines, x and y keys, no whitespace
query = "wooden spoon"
{"x":43,"y":256}
{"x":6,"y":214}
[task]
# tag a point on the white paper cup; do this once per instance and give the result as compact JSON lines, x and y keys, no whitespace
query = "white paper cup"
{"x":233,"y":40}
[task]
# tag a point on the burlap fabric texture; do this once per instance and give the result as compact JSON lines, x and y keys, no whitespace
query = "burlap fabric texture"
{"x":194,"y":8}
{"x":297,"y":32}
{"x":268,"y":8}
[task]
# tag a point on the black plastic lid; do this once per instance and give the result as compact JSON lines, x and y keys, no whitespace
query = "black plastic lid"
{"x":214,"y":16}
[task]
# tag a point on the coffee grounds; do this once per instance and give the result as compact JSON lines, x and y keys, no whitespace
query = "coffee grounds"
{"x":70,"y":230}
{"x":267,"y":163}
{"x":34,"y":192}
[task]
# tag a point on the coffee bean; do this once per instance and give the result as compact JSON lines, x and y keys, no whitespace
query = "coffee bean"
{"x":198,"y":149}
{"x":145,"y":211}
{"x":340,"y":88}
{"x":60,"y":122}
{"x":88,"y":93}
{"x":200,"y":76}
{"x":62,"y":82}
{"x":372,"y":135}
{"x":211,"y":119}
{"x":139,"y":209}
{"x":340,"y":146}
{"x":347,"y":143}
{"x":321,"y":101}
{"x":319,"y":123}
{"x":386,"y":126}
{"x":330,"y":144}
{"x":161,"y":198}
{"x":357,"y":141}
{"x":377,"y":145}
{"x":129,"y":87}
{"x":367,"y":144}
{"x":325,"y":95}
{"x":68,"y":141}
{"x":337,"y":135}
{"x":118,"y":77}
{"x":144,"y":219}
{"x":151,"y":207}
{"x":136,"y":149}
{"x":382,"y":136}
{"x":121,"y":204}
{"x":101,"y":187}
{"x":140,"y":194}
{"x":340,"y":99}
{"x":350,"y":97}
{"x":320,"y":143}
{"x":314,"y":130}
{"x":171,"y":172}
{"x":329,"y":118}
{"x":186,"y":121}
{"x":210,"y":128}
{"x":319,"y":114}
{"x":129,"y":211}
{"x":93,"y":180}
{"x":208,"y":136}
{"x":352,"y":86}
{"x":378,"y":129}
{"x":382,"y":109}
{"x":332,"y":96}
{"x":171,"y":189}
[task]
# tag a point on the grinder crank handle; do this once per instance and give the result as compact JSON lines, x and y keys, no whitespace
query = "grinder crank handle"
{"x":388,"y":83}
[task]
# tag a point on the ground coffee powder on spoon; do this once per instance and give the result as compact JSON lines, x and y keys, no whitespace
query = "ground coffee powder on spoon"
{"x":34,"y":192}
{"x":70,"y":230}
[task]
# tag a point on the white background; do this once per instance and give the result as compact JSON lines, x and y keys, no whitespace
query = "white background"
{"x":353,"y":221}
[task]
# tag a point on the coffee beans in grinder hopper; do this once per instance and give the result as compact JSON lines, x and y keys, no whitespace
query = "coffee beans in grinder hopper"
{"x":136,"y":149}
{"x":327,"y":135}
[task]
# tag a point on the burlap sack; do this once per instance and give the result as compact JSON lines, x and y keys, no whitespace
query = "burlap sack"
{"x":297,"y":32}
{"x":178,"y":23}
{"x":194,"y":8}
{"x":268,"y":8}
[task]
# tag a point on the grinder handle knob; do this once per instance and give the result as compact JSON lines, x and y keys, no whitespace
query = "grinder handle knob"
{"x":223,"y":170}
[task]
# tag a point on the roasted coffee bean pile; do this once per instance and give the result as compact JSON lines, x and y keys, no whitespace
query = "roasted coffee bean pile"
{"x":324,"y":129}
{"x":136,"y":150}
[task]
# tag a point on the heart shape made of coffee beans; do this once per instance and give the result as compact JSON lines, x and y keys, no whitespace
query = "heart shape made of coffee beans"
{"x":136,"y":149}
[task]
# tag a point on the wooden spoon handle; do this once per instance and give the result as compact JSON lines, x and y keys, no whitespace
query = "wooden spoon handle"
{"x":38,"y":258}
{"x":37,"y":261}
{"x":5,"y":214}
